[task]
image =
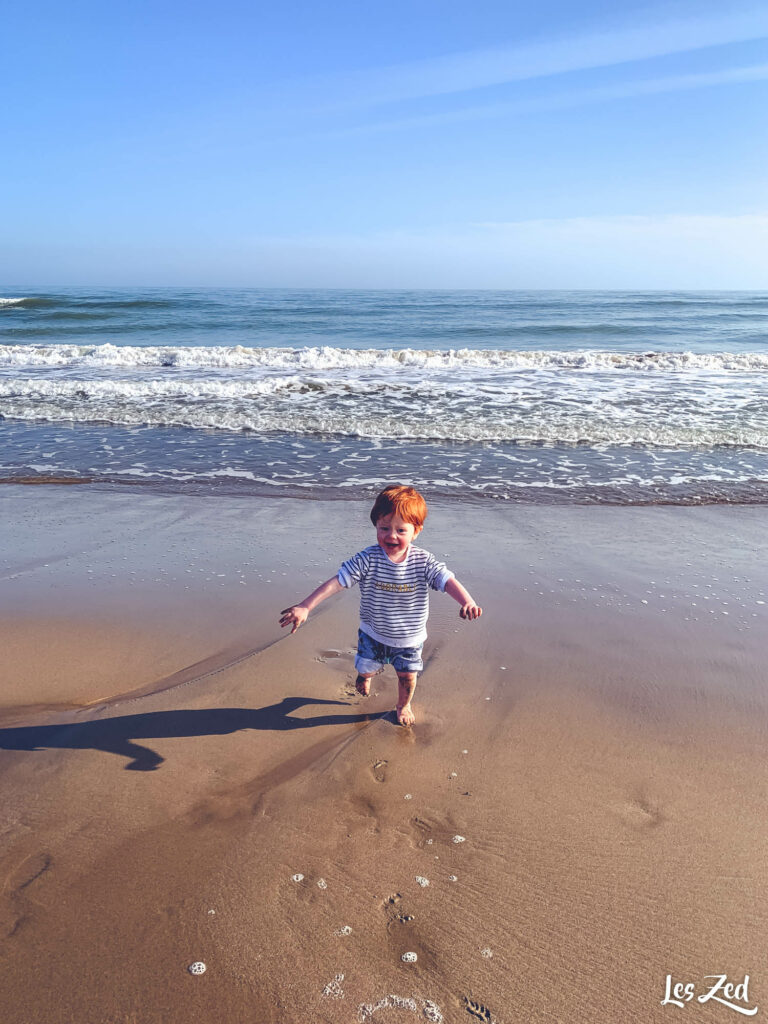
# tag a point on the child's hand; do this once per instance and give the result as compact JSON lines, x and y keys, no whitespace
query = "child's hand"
{"x":470,"y":610}
{"x":297,"y":614}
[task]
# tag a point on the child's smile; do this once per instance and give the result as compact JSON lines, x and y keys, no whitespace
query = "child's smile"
{"x":395,"y":536}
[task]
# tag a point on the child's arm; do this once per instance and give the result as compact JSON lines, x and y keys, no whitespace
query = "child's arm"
{"x":469,"y":610}
{"x":297,"y":613}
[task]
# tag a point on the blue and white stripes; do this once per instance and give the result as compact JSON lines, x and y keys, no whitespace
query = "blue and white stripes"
{"x":394,"y":596}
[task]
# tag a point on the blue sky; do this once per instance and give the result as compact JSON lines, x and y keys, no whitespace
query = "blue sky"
{"x":412,"y":144}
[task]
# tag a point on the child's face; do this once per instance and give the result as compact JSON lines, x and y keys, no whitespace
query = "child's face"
{"x":395,"y":535}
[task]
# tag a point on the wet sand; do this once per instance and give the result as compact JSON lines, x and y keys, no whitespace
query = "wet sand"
{"x":182,"y":783}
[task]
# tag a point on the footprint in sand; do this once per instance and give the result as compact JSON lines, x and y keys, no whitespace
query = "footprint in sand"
{"x":379,"y":770}
{"x":478,"y":1010}
{"x":395,"y":918}
{"x":432,"y":831}
{"x":640,"y":814}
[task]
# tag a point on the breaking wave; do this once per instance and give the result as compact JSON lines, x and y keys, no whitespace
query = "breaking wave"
{"x":329,"y":358}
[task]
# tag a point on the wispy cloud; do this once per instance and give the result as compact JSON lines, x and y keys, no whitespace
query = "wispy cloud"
{"x":477,"y":69}
{"x":575,"y":98}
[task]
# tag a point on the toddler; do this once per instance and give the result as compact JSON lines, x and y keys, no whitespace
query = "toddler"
{"x":394,"y":578}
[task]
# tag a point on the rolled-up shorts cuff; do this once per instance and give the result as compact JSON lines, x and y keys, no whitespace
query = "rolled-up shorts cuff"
{"x":400,"y":664}
{"x":366,"y":667}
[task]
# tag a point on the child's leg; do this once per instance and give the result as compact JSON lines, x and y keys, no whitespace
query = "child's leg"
{"x":363,"y":685}
{"x":407,"y":663}
{"x":369,"y":660}
{"x":406,"y":684}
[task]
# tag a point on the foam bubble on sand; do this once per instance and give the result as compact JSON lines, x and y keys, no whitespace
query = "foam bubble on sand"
{"x":297,"y":878}
{"x":453,"y":878}
{"x":344,"y":930}
{"x":409,"y":958}
{"x":408,"y":796}
{"x":367,"y":1010}
{"x":322,"y":884}
{"x":487,"y":953}
{"x":333,"y":989}
{"x":423,"y":882}
{"x":198,"y":967}
{"x":459,"y":839}
{"x":430,"y":1010}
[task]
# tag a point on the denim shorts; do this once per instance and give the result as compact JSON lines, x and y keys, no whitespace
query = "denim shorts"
{"x":371,"y":655}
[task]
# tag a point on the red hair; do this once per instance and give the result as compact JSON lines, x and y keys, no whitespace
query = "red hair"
{"x":405,"y":502}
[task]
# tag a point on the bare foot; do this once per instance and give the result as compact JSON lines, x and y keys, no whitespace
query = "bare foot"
{"x":363,"y":685}
{"x":405,"y":715}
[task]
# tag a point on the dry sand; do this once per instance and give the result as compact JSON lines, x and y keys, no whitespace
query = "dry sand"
{"x":181,"y":783}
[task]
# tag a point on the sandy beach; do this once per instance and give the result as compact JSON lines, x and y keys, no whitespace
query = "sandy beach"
{"x":578,"y":813}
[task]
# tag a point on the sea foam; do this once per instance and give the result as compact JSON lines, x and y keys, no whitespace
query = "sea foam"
{"x":328,"y":358}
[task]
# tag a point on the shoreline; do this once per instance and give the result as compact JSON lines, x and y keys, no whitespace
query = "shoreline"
{"x":611,"y":799}
{"x":530,"y":498}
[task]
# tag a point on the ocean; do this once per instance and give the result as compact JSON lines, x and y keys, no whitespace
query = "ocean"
{"x":580,"y":397}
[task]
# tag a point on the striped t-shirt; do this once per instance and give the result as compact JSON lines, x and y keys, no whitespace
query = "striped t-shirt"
{"x":394,"y":596}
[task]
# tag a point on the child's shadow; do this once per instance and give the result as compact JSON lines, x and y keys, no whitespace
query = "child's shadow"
{"x":117,"y":735}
